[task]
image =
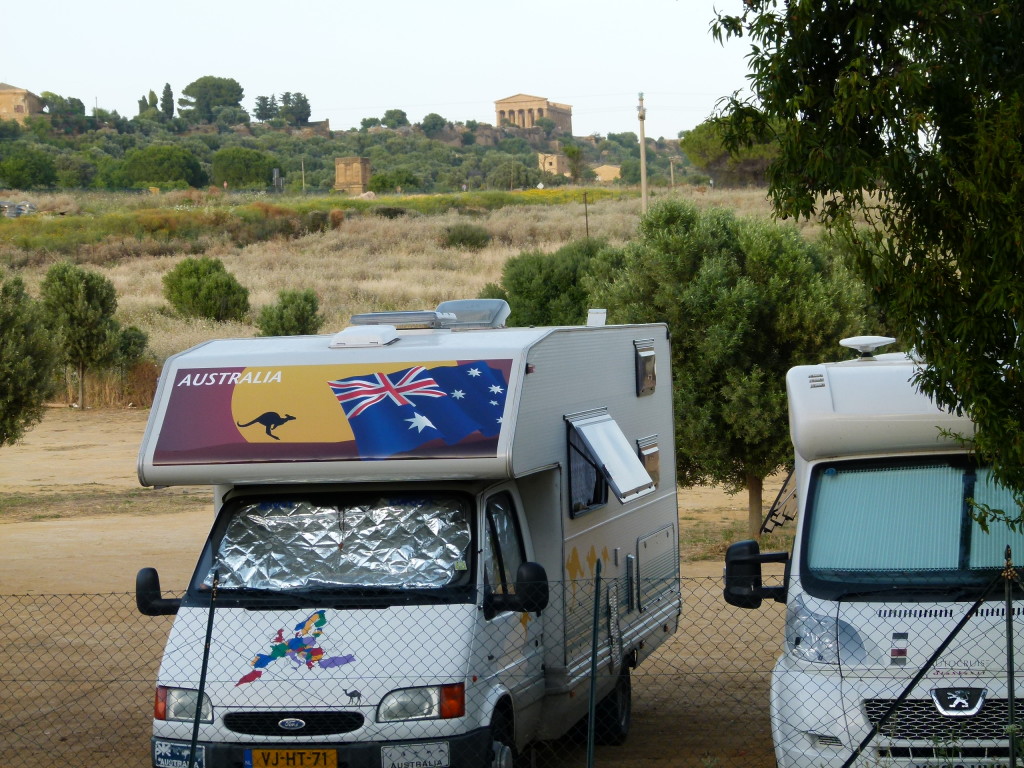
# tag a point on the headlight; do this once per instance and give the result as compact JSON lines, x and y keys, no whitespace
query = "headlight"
{"x":180,"y":704}
{"x":811,"y":636}
{"x":431,"y":702}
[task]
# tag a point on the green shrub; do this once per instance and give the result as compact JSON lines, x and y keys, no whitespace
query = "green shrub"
{"x":295,"y":314}
{"x":471,"y":236}
{"x":547,"y":288}
{"x":389,"y":211}
{"x":316,"y":221}
{"x":203,"y":288}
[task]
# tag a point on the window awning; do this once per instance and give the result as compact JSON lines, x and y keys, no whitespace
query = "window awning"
{"x":614,"y":454}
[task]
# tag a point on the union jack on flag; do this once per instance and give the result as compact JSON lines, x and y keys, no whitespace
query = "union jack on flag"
{"x":366,"y":393}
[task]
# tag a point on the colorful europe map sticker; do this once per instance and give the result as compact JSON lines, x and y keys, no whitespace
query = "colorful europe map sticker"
{"x":301,"y":649}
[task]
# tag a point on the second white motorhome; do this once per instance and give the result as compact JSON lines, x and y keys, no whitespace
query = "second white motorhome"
{"x":409,"y":519}
{"x":887,"y":560}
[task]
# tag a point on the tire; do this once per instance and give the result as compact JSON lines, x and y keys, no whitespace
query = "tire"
{"x":503,"y":742}
{"x":614,"y":712}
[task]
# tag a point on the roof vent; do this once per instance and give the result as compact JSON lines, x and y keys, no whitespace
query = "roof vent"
{"x":357,"y":336}
{"x":463,"y":314}
{"x":866,"y":345}
{"x":476,"y":313}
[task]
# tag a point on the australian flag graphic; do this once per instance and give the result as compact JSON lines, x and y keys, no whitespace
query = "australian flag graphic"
{"x":392,"y":413}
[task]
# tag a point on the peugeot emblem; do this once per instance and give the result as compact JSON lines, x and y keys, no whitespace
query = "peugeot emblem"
{"x":958,"y":702}
{"x":291,"y":724}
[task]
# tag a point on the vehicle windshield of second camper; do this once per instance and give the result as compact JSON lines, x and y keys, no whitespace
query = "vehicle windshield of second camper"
{"x":340,"y":542}
{"x":885,"y":526}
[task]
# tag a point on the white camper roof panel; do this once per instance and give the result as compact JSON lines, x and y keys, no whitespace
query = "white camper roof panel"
{"x":864,"y":407}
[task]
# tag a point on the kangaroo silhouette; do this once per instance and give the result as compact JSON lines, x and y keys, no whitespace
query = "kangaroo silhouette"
{"x":270,"y":421}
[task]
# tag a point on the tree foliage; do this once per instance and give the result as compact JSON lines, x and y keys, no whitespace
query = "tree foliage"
{"x":296,"y":313}
{"x":28,"y":361}
{"x":156,"y":164}
{"x":910,"y":116}
{"x":395,"y":118}
{"x":201,"y":97}
{"x":706,"y":148}
{"x":241,"y":167}
{"x":547,"y":288}
{"x":746,"y":300}
{"x":25,"y":167}
{"x":167,"y":102}
{"x":202,"y":287}
{"x":433,"y":124}
{"x":80,"y":305}
{"x":577,"y":161}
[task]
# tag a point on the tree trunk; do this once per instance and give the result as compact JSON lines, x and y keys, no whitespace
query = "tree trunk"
{"x":81,"y":386}
{"x":755,"y":497}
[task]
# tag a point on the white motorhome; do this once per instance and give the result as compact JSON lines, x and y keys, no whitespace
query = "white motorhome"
{"x":887,"y":561}
{"x":410,"y":516}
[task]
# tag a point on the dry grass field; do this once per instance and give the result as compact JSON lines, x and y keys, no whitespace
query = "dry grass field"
{"x":369,"y":263}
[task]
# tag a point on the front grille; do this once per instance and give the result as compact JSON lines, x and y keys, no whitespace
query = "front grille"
{"x":945,"y":753}
{"x":317,"y":723}
{"x":919,"y":720}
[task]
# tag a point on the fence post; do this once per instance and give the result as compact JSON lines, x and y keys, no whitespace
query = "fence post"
{"x":202,"y":672}
{"x":592,"y":707}
{"x":1009,"y":577}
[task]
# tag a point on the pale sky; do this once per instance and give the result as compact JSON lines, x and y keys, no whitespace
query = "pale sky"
{"x":358,"y":59}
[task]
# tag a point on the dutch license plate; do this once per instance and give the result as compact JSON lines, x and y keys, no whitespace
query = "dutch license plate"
{"x":291,"y":758}
{"x":433,"y":755}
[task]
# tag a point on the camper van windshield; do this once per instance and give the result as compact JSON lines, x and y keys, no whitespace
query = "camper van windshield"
{"x":903,"y":527}
{"x":340,"y":542}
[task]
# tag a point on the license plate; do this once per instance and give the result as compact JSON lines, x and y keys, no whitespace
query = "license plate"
{"x":433,"y":755}
{"x":291,"y":758}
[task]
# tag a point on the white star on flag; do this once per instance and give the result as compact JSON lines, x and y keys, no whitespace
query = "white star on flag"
{"x":496,"y":389}
{"x":419,"y":423}
{"x":474,"y":372}
{"x":458,"y":394}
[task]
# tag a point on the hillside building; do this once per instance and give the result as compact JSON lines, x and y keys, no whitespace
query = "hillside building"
{"x":17,"y":103}
{"x":553,"y":163}
{"x":351,"y":174}
{"x":523,"y":111}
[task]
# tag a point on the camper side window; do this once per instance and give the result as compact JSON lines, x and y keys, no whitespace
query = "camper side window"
{"x":588,"y":488}
{"x":504,"y":545}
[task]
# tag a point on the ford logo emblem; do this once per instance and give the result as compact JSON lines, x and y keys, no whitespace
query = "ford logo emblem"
{"x":291,"y":724}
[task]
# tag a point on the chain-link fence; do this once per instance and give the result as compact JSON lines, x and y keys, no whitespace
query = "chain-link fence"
{"x":78,"y":672}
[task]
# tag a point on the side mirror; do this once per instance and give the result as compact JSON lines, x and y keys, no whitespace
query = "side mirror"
{"x":532,"y":587}
{"x":148,"y":597}
{"x":743,"y":585}
{"x":531,"y":595}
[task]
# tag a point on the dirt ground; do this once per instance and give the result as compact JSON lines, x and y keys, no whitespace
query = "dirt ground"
{"x":69,"y":494}
{"x":75,"y":522}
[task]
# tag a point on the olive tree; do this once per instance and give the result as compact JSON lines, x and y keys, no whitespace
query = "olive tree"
{"x":745,"y":300}
{"x":80,"y":307}
{"x":902,"y":123}
{"x":28,"y":361}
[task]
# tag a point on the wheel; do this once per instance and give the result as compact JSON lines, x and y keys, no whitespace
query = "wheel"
{"x":503,"y":742}
{"x":613,"y":713}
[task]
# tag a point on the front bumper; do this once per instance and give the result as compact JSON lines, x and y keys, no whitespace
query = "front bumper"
{"x":469,"y":750}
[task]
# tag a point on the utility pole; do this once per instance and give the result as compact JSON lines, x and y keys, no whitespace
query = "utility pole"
{"x":642,"y":114}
